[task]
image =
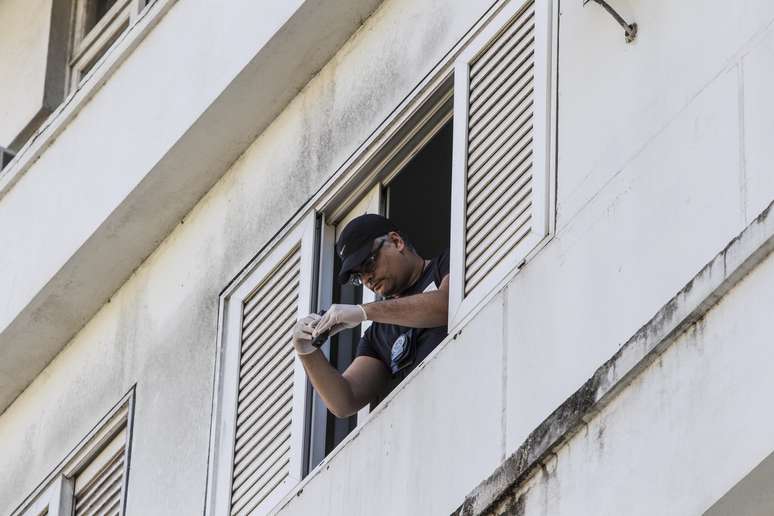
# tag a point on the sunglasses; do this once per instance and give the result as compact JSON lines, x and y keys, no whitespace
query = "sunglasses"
{"x":367,"y":267}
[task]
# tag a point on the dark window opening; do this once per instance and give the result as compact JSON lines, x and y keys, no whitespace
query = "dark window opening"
{"x":5,"y":157}
{"x":328,"y":430}
{"x":95,"y":11}
{"x":86,"y":69}
{"x":418,"y":200}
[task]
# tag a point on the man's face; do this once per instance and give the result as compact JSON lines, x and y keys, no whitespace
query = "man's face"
{"x":387,"y":271}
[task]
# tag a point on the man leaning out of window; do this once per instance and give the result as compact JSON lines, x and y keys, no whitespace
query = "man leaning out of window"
{"x":408,"y":323}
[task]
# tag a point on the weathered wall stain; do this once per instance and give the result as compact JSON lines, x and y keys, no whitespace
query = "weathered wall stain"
{"x":677,"y":316}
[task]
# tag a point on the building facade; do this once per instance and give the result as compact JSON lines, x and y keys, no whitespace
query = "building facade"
{"x":175,"y":174}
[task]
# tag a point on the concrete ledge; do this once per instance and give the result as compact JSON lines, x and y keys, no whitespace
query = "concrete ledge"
{"x":81,"y":211}
{"x":497,"y":494}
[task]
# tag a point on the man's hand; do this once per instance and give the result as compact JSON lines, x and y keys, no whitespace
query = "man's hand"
{"x":302,"y":334}
{"x":338,"y":318}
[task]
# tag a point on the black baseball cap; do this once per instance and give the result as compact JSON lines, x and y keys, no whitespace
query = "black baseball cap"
{"x":356,"y":240}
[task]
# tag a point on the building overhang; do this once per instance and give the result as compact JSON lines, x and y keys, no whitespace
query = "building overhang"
{"x":109,"y":175}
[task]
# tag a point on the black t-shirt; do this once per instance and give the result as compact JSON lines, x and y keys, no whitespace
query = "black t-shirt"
{"x":377,"y":341}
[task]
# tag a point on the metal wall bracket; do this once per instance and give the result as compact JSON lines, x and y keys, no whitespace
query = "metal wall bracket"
{"x":629,"y":28}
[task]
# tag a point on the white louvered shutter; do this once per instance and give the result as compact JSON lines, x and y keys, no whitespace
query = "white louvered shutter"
{"x":265,"y":396}
{"x":99,"y":486}
{"x":256,"y":456}
{"x":500,"y":163}
{"x":92,"y":479}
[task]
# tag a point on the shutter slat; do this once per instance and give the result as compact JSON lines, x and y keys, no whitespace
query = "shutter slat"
{"x":87,"y":504}
{"x":519,"y":151}
{"x":522,"y":63}
{"x":481,"y":240}
{"x":257,"y":323}
{"x":252,"y":471}
{"x":506,"y":99}
{"x":258,"y":351}
{"x":273,"y":479}
{"x":254,"y":421}
{"x":103,"y":491}
{"x":269,"y":480}
{"x":513,"y":225}
{"x":266,"y":398}
{"x":256,"y":302}
{"x":485,"y":60}
{"x":114,"y":508}
{"x":478,"y":272}
{"x":250,"y":442}
{"x":102,"y":477}
{"x":501,"y":145}
{"x":268,"y":375}
{"x":265,"y":390}
{"x":264,"y":329}
{"x":254,"y":319}
{"x":511,"y":131}
{"x":102,"y":505}
{"x":499,"y":156}
{"x":505,"y":197}
{"x":517,"y":157}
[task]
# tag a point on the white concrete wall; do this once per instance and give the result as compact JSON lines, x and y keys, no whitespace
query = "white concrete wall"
{"x":158,"y":330}
{"x":24,"y":32}
{"x":688,"y":428}
{"x":654,"y":179}
{"x":661,"y":162}
{"x":663,"y":157}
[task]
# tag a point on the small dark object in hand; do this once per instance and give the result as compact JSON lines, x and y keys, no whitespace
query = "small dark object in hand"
{"x":321,"y":338}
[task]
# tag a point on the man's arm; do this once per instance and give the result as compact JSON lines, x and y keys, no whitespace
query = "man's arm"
{"x":425,"y":310}
{"x":345,"y":394}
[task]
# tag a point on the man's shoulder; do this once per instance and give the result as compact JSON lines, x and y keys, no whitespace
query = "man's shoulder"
{"x":443,"y":255}
{"x":440,"y":266}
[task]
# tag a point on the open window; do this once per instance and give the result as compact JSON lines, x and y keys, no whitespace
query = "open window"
{"x":325,"y":430}
{"x":470,"y":171}
{"x":93,"y":478}
{"x":464,"y":165}
{"x":415,"y":193}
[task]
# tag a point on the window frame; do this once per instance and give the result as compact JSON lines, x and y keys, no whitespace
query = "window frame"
{"x":372,"y":202}
{"x":432,"y":112}
{"x":461,"y":306}
{"x":56,"y":493}
{"x":223,"y":425}
{"x":87,"y":47}
{"x":55,"y":500}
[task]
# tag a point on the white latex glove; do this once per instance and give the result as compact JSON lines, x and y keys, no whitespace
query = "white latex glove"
{"x":340,"y":317}
{"x":302,"y":334}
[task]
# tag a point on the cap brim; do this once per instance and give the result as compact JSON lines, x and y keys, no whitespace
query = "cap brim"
{"x":353,"y":261}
